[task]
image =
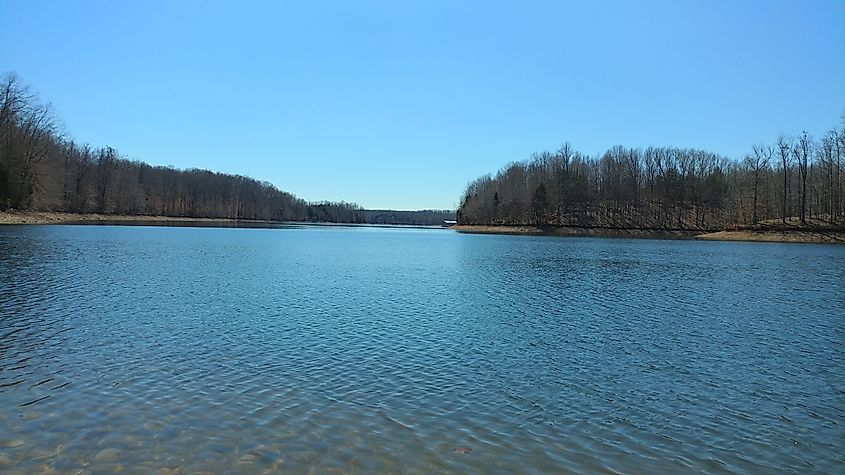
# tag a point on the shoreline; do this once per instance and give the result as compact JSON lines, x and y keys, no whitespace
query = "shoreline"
{"x":807,"y":236}
{"x":759,"y":233}
{"x":15,"y":217}
{"x":51,"y":217}
{"x":811,"y":235}
{"x":578,"y":231}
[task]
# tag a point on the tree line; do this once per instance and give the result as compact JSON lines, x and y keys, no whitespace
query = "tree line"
{"x":795,"y":179}
{"x":342,"y":212}
{"x":42,"y":170}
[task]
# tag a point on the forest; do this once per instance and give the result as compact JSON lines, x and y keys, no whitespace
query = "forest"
{"x":791,"y":181}
{"x":42,"y":170}
{"x":796,"y":178}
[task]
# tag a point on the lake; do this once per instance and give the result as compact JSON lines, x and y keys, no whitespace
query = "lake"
{"x":363,"y":350}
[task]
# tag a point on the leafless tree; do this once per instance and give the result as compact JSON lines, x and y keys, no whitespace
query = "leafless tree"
{"x":784,"y":146}
{"x":801,"y":153}
{"x":758,"y":162}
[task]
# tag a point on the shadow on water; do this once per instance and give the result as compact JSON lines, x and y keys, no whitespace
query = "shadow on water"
{"x":191,"y":224}
{"x":211,"y":223}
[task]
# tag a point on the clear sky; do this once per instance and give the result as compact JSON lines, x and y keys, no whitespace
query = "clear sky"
{"x":398,"y":104}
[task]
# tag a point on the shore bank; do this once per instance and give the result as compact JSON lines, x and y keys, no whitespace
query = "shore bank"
{"x":809,"y":235}
{"x":802,"y":236}
{"x":49,"y":217}
{"x":577,"y":231}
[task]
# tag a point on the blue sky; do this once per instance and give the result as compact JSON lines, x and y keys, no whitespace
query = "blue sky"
{"x":399,"y":104}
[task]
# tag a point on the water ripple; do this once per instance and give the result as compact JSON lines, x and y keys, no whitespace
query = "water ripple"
{"x":415,"y":351}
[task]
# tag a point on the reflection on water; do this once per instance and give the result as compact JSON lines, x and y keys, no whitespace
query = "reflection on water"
{"x":365,"y":350}
{"x":176,"y":223}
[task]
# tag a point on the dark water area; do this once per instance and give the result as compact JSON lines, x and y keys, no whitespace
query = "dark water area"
{"x":250,"y":224}
{"x":370,"y":350}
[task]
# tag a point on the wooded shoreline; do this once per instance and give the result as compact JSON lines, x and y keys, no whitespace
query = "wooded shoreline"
{"x":816,"y":234}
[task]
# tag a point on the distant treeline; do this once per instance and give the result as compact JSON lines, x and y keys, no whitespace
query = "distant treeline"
{"x":665,"y":188}
{"x":351,"y":213}
{"x":42,"y":170}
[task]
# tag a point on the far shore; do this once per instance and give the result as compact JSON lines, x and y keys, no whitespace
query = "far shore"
{"x":814,"y":235}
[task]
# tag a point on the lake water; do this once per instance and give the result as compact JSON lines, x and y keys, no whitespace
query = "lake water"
{"x":364,"y":350}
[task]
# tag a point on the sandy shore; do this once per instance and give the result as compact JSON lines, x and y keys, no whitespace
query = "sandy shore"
{"x":758,"y":235}
{"x":823,"y":237}
{"x":48,"y":217}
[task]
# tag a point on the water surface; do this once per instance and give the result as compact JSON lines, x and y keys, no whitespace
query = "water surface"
{"x":362,"y":350}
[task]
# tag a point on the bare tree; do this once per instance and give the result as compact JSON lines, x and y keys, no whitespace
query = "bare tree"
{"x":784,"y":146}
{"x":27,"y":135}
{"x":801,"y":152}
{"x":758,"y":162}
{"x":539,"y":205}
{"x":826,"y":152}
